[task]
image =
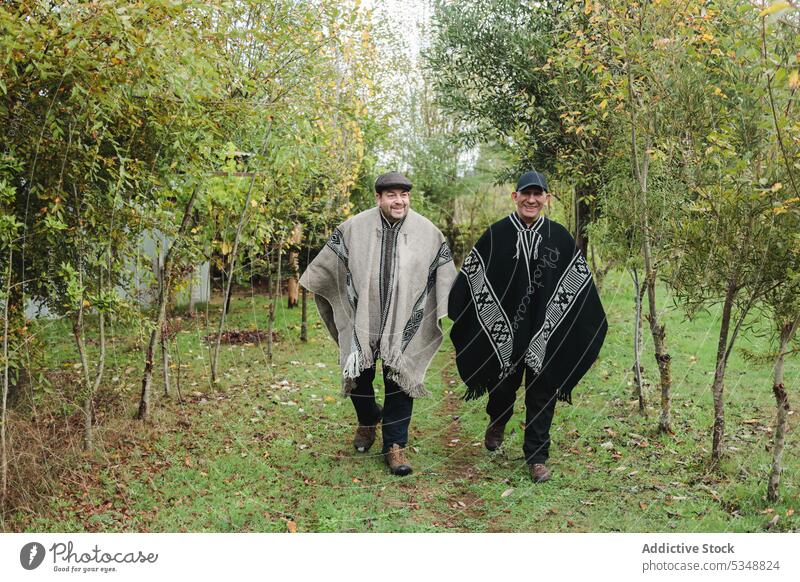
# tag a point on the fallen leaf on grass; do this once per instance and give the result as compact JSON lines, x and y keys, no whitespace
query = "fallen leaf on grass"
{"x":642,"y":505}
{"x":507,"y":492}
{"x":291,"y":526}
{"x":789,"y":512}
{"x":772,"y":522}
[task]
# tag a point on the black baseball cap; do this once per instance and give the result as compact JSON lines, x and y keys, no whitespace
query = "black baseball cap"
{"x":532,"y":178}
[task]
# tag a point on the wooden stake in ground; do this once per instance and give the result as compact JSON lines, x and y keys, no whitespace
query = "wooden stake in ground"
{"x":293,"y":281}
{"x":161,"y":307}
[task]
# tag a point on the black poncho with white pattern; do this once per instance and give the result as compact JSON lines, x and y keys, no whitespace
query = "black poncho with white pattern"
{"x":525,"y":296}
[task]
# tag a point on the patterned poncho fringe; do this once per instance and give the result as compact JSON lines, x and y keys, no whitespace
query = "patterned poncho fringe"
{"x":525,"y":296}
{"x":402,"y":328}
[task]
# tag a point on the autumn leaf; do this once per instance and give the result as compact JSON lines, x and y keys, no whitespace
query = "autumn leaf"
{"x":772,"y":522}
{"x":777,"y":7}
{"x":794,"y":80}
{"x":291,"y":526}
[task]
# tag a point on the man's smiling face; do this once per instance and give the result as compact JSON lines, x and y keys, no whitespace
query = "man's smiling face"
{"x":530,"y":202}
{"x":394,"y":203}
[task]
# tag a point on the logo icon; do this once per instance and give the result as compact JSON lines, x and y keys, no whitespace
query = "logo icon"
{"x":31,"y":556}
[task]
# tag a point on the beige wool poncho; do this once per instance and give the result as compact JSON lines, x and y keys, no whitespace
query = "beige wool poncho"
{"x":401,"y":328}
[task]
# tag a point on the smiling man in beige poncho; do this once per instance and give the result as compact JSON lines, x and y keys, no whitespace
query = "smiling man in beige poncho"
{"x":381,"y":284}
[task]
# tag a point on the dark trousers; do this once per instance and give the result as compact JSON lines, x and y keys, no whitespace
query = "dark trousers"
{"x":540,"y":404}
{"x":397,"y":408}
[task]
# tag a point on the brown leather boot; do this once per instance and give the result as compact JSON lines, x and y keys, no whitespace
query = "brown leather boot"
{"x":396,"y":459}
{"x":539,"y":473}
{"x":494,"y":435}
{"x":365,"y":435}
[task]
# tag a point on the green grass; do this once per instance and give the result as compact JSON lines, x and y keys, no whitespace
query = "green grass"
{"x":271,"y":445}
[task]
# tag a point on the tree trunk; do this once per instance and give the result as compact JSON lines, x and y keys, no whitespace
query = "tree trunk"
{"x":165,"y":356}
{"x":582,"y":217}
{"x":78,"y":335}
{"x":178,"y":368}
{"x":275,"y":298}
{"x":292,"y":288}
{"x":20,"y":387}
{"x":90,"y":387}
{"x":161,"y":306}
{"x":304,"y":315}
{"x":637,"y":344}
{"x":227,"y":298}
{"x":782,"y":406}
{"x":192,"y":307}
{"x":3,"y":445}
{"x":658,"y":331}
{"x":717,"y":388}
{"x":98,"y":373}
{"x":292,"y":283}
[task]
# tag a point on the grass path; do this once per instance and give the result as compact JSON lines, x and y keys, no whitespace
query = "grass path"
{"x":269,"y":447}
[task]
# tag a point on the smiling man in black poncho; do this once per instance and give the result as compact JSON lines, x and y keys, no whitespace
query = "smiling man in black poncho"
{"x":525,"y":302}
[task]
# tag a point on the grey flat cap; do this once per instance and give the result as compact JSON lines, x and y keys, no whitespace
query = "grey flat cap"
{"x":392,"y":180}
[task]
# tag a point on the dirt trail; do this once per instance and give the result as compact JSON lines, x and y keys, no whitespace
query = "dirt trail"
{"x":460,"y":461}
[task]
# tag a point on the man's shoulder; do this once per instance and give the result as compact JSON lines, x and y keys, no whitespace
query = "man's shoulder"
{"x":502,"y":223}
{"x":417,"y":221}
{"x":553,"y":228}
{"x":365,"y":216}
